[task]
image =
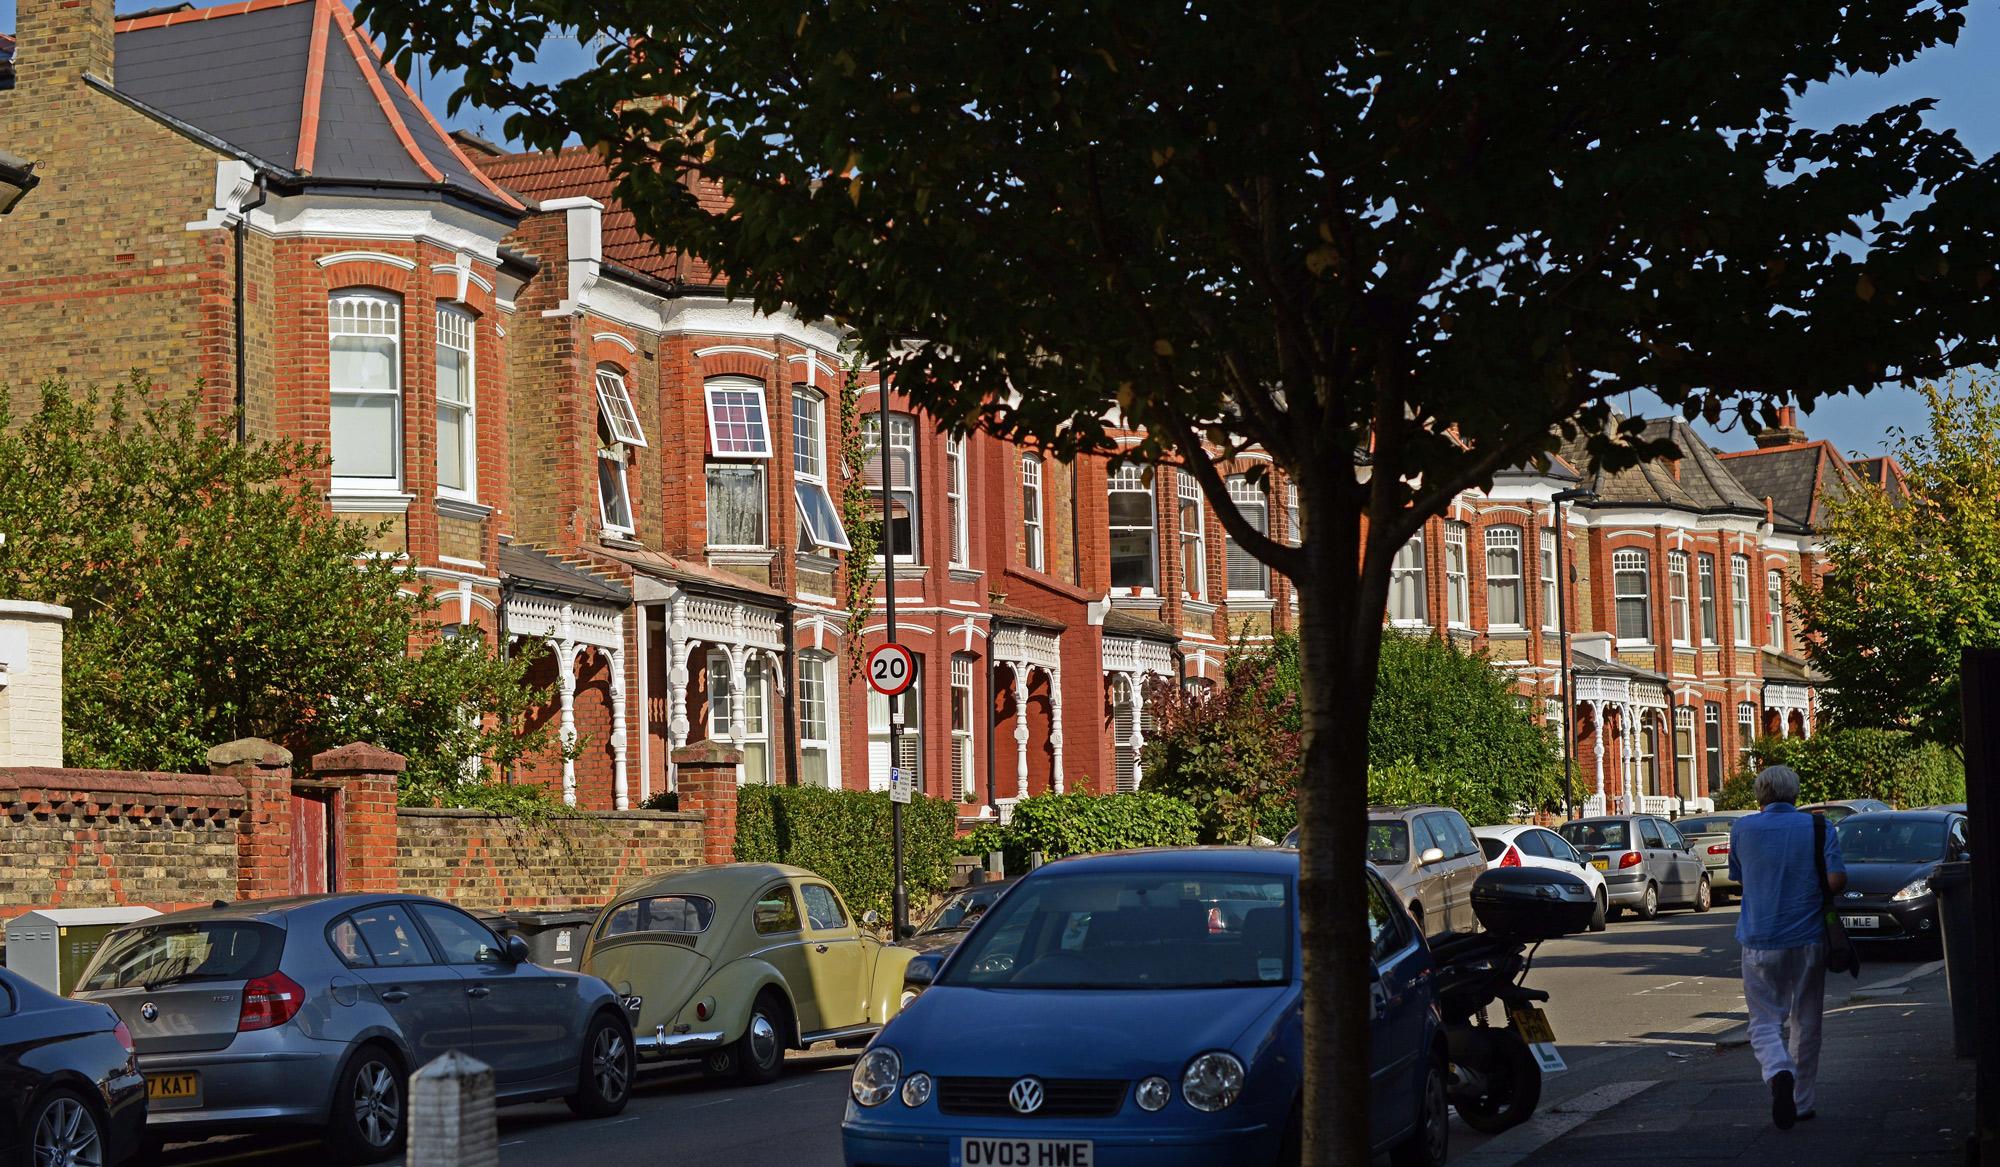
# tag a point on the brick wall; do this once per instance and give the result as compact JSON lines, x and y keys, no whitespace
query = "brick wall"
{"x":488,"y":862}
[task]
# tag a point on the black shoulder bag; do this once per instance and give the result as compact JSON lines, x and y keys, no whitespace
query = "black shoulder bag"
{"x":1840,"y":954}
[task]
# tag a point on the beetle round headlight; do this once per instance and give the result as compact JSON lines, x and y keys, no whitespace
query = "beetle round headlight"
{"x":1153,"y":1093}
{"x":875,"y":1076}
{"x":917,"y":1089}
{"x":1212,"y":1081}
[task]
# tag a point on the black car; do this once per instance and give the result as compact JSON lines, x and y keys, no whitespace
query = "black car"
{"x":941,"y":931}
{"x":70,"y":1087}
{"x":1890,"y":858}
{"x":1833,"y":812}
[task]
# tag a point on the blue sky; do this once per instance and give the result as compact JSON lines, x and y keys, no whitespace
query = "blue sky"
{"x":1962,"y":78}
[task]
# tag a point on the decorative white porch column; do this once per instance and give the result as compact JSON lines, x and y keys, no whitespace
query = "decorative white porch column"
{"x":1597,"y":742}
{"x":621,"y":798}
{"x":1020,"y":729}
{"x":739,"y":717}
{"x":566,"y":726}
{"x":1138,"y":727}
{"x":677,"y":682}
{"x":644,"y":662}
{"x":1055,"y":728}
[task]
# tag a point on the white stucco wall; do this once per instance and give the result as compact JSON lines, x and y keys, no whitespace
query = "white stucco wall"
{"x":31,"y":646}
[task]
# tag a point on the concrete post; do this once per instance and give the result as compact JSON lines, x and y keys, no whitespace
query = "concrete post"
{"x":707,"y":772}
{"x":264,"y":833}
{"x":451,"y":1114}
{"x":366,"y":777}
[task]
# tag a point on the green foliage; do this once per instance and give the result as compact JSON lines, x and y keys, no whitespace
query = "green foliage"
{"x":844,"y":835}
{"x":662,"y":800}
{"x":1889,"y":765}
{"x":529,"y":802}
{"x":1230,"y":753}
{"x":1914,"y":581}
{"x":1739,"y":792}
{"x":861,"y":517}
{"x":215,"y":598}
{"x":1084,"y":824}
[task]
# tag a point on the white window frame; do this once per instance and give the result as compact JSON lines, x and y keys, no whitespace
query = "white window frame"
{"x":1678,"y":615}
{"x":1126,"y":477}
{"x":1711,"y":629}
{"x":1253,"y":502}
{"x":1739,"y":598}
{"x":1400,"y":573}
{"x":763,"y":504}
{"x":1506,"y":538}
{"x":1684,"y":736}
{"x":1774,"y":601}
{"x":1629,"y":561}
{"x":1194,"y":536}
{"x":954,"y":498}
{"x":457,"y":330}
{"x":1551,"y":594}
{"x":1711,"y":717}
{"x":902,"y":436}
{"x":1124,"y":753}
{"x":757,"y":686}
{"x":1746,"y":731}
{"x":614,"y":405}
{"x":616,"y":454}
{"x":817,"y":691}
{"x":1457,"y":579}
{"x":809,"y":478}
{"x":1031,"y":511}
{"x":879,"y":711}
{"x":368,"y":312}
{"x":962,"y":694}
{"x":1646,"y":762}
{"x":1294,"y":533}
{"x":745,"y":391}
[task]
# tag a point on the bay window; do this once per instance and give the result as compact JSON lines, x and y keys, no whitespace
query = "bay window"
{"x":1504,"y":599}
{"x":1031,"y":510}
{"x":954,"y":497}
{"x":1194,"y":536}
{"x":1705,"y":567}
{"x":1551,"y":597}
{"x":618,"y":437}
{"x":910,"y":744}
{"x":1746,"y":732}
{"x":1407,"y":603}
{"x":1677,"y":595}
{"x":739,"y":441}
{"x":817,"y":717}
{"x":961,"y":727}
{"x":736,"y":506}
{"x":1774,"y":599}
{"x":819,"y":519}
{"x":1739,"y":598}
{"x":1457,"y":577}
{"x":365,"y":367}
{"x":1683,"y":749}
{"x":1632,"y":592}
{"x":756,"y":700}
{"x":900,"y":539}
{"x":1248,"y":576}
{"x":1131,"y":528}
{"x":1712,"y":729}
{"x":457,"y":441}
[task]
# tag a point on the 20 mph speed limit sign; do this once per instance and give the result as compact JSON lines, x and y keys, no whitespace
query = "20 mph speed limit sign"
{"x":891,"y":668}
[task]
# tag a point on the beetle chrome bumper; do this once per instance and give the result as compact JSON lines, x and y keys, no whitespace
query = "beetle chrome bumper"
{"x":661,"y":1044}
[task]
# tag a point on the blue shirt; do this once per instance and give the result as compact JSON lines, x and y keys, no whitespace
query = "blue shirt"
{"x":1771,"y":855}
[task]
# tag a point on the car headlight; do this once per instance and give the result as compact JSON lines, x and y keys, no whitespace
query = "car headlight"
{"x":917,"y":1089}
{"x":875,"y":1076}
{"x":1212,"y":1081}
{"x":1917,"y":889}
{"x":1153,"y":1093}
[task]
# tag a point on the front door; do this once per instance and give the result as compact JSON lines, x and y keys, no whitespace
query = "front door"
{"x":521,"y":1025}
{"x":312,"y":871}
{"x":837,"y":959}
{"x":425,"y":996}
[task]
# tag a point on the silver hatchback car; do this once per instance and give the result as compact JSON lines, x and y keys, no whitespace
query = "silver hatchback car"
{"x":312,"y":1012}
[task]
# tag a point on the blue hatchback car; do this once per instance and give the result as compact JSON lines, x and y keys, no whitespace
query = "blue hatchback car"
{"x":1142,"y":1007}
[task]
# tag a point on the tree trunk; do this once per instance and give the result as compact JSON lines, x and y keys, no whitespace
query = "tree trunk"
{"x":1340,"y":645}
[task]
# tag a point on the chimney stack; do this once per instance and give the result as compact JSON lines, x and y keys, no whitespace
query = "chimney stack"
{"x":1785,"y":433}
{"x":57,"y":42}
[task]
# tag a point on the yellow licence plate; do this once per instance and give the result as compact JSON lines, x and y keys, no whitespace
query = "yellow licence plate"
{"x":1601,"y":864}
{"x":1534,"y":1026}
{"x":184,"y":1087}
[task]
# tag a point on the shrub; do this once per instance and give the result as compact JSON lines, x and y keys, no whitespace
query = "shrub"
{"x":1866,"y":763}
{"x":1082,"y":824}
{"x":844,"y":836}
{"x":1232,"y":754}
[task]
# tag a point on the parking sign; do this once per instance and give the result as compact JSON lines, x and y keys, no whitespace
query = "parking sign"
{"x":899,"y":785}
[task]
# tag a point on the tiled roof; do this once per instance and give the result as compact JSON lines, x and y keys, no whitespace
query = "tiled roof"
{"x":579,"y":173}
{"x":538,"y":570}
{"x":1799,"y":480}
{"x":1884,"y":473}
{"x":1697,"y":481}
{"x":296,"y":85}
{"x":1009,"y":614}
{"x":673,"y":569}
{"x":1121,"y":623}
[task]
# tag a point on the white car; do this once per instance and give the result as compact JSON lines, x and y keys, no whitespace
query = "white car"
{"x":1519,"y":845}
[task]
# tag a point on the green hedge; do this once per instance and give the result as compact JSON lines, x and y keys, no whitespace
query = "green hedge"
{"x":1080,"y":824}
{"x":844,"y":835}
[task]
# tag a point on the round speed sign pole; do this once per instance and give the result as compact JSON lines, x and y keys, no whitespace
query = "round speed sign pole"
{"x":900,"y":895}
{"x":891,"y":669}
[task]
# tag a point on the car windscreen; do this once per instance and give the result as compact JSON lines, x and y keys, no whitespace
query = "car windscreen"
{"x":961,"y":910}
{"x":1134,"y":930}
{"x":1588,"y":836}
{"x":1388,"y":841}
{"x":1716,"y":826}
{"x":1890,"y":840}
{"x":160,"y":954}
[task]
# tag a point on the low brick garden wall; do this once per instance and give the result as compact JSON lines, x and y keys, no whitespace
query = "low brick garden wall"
{"x":488,"y":862}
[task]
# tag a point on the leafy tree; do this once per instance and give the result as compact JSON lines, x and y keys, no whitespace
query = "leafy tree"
{"x":1397,"y":247}
{"x":1914,"y":581}
{"x":1889,"y":765}
{"x":1232,"y":752}
{"x":214,"y":597}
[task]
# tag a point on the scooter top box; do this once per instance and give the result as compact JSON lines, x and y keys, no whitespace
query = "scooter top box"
{"x":1532,"y":903}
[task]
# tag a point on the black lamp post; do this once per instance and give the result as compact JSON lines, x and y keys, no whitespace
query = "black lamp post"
{"x":17,"y":178}
{"x":1562,"y":633}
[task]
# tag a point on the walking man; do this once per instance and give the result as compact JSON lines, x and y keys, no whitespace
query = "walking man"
{"x":1784,"y":938}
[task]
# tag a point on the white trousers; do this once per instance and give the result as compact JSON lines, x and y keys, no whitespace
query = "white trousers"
{"x":1785,"y":991}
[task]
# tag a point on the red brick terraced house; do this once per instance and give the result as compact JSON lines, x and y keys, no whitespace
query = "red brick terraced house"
{"x":578,"y":439}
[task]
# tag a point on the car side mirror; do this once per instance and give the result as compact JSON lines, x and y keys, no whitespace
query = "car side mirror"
{"x":516,"y":949}
{"x":921,"y":973}
{"x":1431,"y":855}
{"x":871,"y":918}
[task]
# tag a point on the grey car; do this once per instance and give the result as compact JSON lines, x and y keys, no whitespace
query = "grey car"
{"x":1430,"y":858}
{"x":1646,"y":863}
{"x":1839,"y":809}
{"x":1708,"y":834}
{"x":312,"y":1012}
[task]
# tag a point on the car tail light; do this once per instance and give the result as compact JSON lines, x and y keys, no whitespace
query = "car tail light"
{"x":268,"y":1002}
{"x":1511,"y":859}
{"x":1718,"y":848}
{"x":124,"y":1037}
{"x":1630,"y":859}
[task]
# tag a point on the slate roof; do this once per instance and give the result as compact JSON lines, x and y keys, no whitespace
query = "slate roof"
{"x":1799,"y":479}
{"x":1702,"y":483}
{"x":1009,"y":614}
{"x":1883,"y":472}
{"x":681,"y":571}
{"x":580,"y":173}
{"x":296,"y":86}
{"x":537,"y":570}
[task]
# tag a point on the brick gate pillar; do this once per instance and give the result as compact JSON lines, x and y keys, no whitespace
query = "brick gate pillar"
{"x":264,"y":833}
{"x":707,"y":771}
{"x":365,"y":809}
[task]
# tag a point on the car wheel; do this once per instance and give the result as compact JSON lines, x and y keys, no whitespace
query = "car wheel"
{"x":1704,"y":897}
{"x":1649,"y":904}
{"x":371,"y":1109}
{"x":760,"y":1052}
{"x":63,"y":1129}
{"x":1602,"y":914}
{"x":1430,"y":1142}
{"x":604,"y":1080}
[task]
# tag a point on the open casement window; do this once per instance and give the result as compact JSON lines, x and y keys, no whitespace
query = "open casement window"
{"x":457,"y":437}
{"x":901,"y":537}
{"x":1550,"y":596}
{"x":954,"y":497}
{"x":1457,"y":578}
{"x":736,"y":506}
{"x":1632,"y":588}
{"x":614,"y":409}
{"x":1774,"y":619}
{"x":1677,"y":595}
{"x":1131,"y":528}
{"x":737,"y":426}
{"x":1248,"y":576}
{"x":1031,"y":510}
{"x":819,"y":519}
{"x":365,"y":367}
{"x":756,"y":698}
{"x":1194,"y":538}
{"x":910,"y":745}
{"x":1683,"y":749}
{"x":817,"y":717}
{"x":614,"y":498}
{"x":961,"y":727}
{"x":1406,"y":585}
{"x":1739,"y":598}
{"x":1705,"y":573}
{"x":1746,"y":732}
{"x":1505,"y":595}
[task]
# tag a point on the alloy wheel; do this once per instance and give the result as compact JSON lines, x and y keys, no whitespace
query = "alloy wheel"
{"x":608,"y":1064}
{"x":1437,"y":1122}
{"x":377,"y":1104}
{"x":66,"y":1136}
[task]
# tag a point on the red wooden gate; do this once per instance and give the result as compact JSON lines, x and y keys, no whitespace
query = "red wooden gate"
{"x":312,"y":844}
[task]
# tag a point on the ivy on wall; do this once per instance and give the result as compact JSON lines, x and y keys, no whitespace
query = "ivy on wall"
{"x":860,"y":515}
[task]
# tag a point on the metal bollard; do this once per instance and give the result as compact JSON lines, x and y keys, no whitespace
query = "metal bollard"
{"x":451,"y":1114}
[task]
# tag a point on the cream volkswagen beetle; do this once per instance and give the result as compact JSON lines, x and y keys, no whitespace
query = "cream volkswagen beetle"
{"x":737,"y":963}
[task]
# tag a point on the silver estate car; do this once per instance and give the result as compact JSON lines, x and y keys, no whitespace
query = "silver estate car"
{"x":312,"y":1012}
